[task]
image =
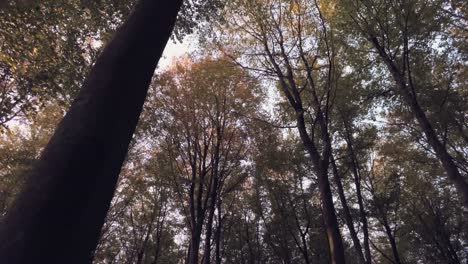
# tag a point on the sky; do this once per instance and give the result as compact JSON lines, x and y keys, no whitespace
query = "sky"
{"x":174,"y":50}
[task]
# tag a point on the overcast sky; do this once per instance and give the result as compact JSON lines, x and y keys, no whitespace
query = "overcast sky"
{"x":174,"y":50}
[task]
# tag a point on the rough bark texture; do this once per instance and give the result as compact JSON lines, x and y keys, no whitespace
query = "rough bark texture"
{"x":58,"y":216}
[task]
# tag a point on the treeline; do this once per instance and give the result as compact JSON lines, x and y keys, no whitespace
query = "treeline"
{"x":298,"y":132}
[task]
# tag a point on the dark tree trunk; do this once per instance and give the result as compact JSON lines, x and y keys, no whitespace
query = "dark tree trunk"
{"x":209,"y":224}
{"x":155,"y":215}
{"x":213,"y":197}
{"x":159,"y":234}
{"x":305,"y":250}
{"x":194,"y":247}
{"x":321,"y":160}
{"x":347,"y":214}
{"x":331,"y":223}
{"x":357,"y":182}
{"x":392,"y":240}
{"x":57,"y":218}
{"x":218,"y":234}
{"x":335,"y":242}
{"x":196,"y":229}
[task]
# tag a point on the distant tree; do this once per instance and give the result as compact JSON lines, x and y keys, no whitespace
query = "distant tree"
{"x":20,"y":149}
{"x":140,"y":226}
{"x":202,"y":107}
{"x":294,"y":44}
{"x":412,"y":42}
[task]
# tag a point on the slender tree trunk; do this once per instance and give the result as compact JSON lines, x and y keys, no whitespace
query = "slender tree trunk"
{"x":335,"y":241}
{"x":142,"y":250}
{"x":303,"y":234}
{"x":392,"y":241}
{"x":331,"y":223}
{"x":58,"y":216}
{"x":197,"y":210}
{"x":218,"y":234}
{"x":302,"y":243}
{"x":411,"y":101}
{"x":209,"y":224}
{"x":357,"y":182}
{"x":155,"y":215}
{"x":213,"y":197}
{"x":347,"y":213}
{"x":305,"y":249}
{"x":159,"y":233}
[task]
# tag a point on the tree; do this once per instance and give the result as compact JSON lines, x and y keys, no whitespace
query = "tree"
{"x":294,"y":42}
{"x":48,"y":47}
{"x":140,"y":226}
{"x":404,"y":39}
{"x":20,"y":148}
{"x":404,"y":185}
{"x":293,"y":221}
{"x":204,"y":106}
{"x":67,"y":195}
{"x":48,"y":59}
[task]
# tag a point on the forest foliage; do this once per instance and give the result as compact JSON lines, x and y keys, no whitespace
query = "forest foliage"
{"x":304,"y":131}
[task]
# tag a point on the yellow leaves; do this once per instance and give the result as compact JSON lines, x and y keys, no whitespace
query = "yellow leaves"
{"x":35,"y":52}
{"x":10,"y":62}
{"x":19,"y":66}
{"x":327,"y":8}
{"x":295,"y":7}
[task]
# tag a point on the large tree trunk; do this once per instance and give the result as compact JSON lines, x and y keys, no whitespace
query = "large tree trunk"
{"x":58,"y":216}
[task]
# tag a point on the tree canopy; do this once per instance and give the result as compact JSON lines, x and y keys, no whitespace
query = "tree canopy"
{"x":304,"y":131}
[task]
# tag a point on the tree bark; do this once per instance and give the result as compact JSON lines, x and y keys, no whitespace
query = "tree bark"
{"x":213,"y":196}
{"x":392,"y":240}
{"x":58,"y":216}
{"x":335,"y":241}
{"x":194,"y":246}
{"x":209,"y":224}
